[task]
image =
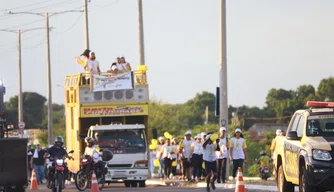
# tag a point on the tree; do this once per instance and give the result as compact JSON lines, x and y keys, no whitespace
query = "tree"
{"x":301,"y":95}
{"x":33,"y":114}
{"x":325,"y":90}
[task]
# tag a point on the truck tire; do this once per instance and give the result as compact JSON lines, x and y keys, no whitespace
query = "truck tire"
{"x":282,"y":184}
{"x":134,"y":183}
{"x":303,"y":184}
{"x":127,"y":183}
{"x":142,"y":183}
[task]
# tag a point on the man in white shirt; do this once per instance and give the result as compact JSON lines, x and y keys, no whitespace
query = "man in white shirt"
{"x":222,"y":155}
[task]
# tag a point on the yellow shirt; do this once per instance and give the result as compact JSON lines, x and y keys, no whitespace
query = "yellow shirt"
{"x":264,"y":161}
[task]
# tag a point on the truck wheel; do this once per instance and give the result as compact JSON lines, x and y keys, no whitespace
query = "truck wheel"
{"x":127,"y":183}
{"x":303,"y":185}
{"x":282,"y":184}
{"x":134,"y":183}
{"x":142,"y":183}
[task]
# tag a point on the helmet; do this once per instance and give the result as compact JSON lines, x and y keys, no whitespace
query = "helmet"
{"x":89,"y":140}
{"x":59,"y":141}
{"x":263,"y":153}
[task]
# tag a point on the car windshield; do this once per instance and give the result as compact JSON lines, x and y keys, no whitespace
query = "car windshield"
{"x":320,"y":125}
{"x":122,"y":141}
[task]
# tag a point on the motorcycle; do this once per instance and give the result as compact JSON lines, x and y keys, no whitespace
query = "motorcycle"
{"x":58,"y":172}
{"x":264,"y":172}
{"x":88,"y":164}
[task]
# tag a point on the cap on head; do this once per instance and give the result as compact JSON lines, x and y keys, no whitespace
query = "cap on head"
{"x":278,"y":131}
{"x":37,"y":143}
{"x":188,"y":132}
{"x":203,"y":133}
{"x":161,"y":139}
{"x":222,"y":129}
{"x":28,"y":144}
{"x":199,"y":136}
{"x":85,"y":53}
{"x":237,"y":130}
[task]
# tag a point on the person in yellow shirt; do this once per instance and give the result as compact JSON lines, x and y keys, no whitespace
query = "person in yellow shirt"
{"x":263,"y":161}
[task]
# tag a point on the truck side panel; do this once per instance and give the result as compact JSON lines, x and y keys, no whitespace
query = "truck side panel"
{"x":13,"y":161}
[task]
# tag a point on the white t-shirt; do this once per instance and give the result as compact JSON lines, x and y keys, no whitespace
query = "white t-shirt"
{"x":198,"y":148}
{"x":223,"y":149}
{"x":167,"y":151}
{"x":187,"y":147}
{"x":175,"y":149}
{"x":238,"y":145}
{"x":209,"y":153}
{"x":93,"y":66}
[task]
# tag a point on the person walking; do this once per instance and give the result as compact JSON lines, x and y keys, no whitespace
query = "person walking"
{"x":222,"y":155}
{"x":37,"y":162}
{"x":238,"y":153}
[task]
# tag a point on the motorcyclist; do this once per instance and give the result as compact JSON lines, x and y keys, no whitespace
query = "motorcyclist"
{"x":94,"y":151}
{"x":264,"y":160}
{"x":56,"y":151}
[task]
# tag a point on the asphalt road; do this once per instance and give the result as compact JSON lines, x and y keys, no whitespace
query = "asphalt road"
{"x":153,"y":188}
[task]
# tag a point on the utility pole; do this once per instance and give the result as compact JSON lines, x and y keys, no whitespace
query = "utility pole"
{"x":141,"y":33}
{"x":48,"y":62}
{"x":48,"y":71}
{"x":20,"y":99}
{"x":223,"y":108}
{"x":86,"y":24}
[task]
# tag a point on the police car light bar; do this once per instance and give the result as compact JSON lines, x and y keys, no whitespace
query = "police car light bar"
{"x":319,"y":104}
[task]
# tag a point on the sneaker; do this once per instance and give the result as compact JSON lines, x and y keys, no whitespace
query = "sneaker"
{"x":233,"y":180}
{"x":207,"y":189}
{"x":213,"y":185}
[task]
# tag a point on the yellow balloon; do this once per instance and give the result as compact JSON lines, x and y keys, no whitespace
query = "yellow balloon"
{"x":213,"y":137}
{"x":151,"y":147}
{"x":154,"y":141}
{"x":174,"y":163}
{"x":170,"y":136}
{"x":156,"y":163}
{"x":166,"y":134}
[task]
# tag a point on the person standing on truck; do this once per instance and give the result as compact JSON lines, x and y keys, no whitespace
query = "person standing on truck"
{"x":209,"y":157}
{"x":185,"y":152}
{"x":222,"y":155}
{"x":238,"y":153}
{"x":37,"y":162}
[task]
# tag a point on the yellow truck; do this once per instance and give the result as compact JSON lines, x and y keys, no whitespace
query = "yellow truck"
{"x":113,"y":109}
{"x":305,"y":156}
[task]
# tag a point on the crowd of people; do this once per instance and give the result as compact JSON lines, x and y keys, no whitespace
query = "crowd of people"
{"x":92,"y":65}
{"x":200,"y":157}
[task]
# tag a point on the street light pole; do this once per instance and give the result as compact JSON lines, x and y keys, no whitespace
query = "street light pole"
{"x":141,"y":33}
{"x":223,"y":108}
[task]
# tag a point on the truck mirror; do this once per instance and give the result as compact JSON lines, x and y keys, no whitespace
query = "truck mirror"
{"x":107,"y":155}
{"x":292,"y":135}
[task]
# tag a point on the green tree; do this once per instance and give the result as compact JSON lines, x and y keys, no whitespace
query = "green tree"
{"x":33,"y":114}
{"x":301,"y":95}
{"x":325,"y":90}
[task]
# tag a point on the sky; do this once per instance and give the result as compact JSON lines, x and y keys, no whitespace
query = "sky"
{"x":270,"y":44}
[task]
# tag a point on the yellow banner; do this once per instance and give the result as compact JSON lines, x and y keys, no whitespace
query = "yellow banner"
{"x":108,"y":111}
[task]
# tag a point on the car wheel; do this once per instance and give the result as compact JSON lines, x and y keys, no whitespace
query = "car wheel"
{"x":282,"y":184}
{"x":303,"y":184}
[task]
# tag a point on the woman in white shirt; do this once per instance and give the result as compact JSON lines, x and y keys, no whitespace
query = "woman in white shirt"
{"x":175,"y":156}
{"x":209,"y":157}
{"x":166,"y":154}
{"x":197,"y":157}
{"x":238,"y":153}
{"x":222,"y":155}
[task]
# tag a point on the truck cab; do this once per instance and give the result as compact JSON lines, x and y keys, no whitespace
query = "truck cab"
{"x":305,"y":157}
{"x":128,"y":144}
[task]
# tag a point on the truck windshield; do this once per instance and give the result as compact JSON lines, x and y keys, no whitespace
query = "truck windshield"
{"x":122,"y":141}
{"x":320,"y":126}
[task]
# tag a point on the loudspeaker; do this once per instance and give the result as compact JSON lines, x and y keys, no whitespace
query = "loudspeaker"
{"x":155,"y":133}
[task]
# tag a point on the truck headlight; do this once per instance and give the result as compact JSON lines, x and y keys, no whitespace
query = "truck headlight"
{"x":321,"y":155}
{"x":141,"y":164}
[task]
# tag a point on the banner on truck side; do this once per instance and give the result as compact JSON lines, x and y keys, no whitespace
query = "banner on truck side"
{"x":118,"y":82}
{"x":132,"y":110}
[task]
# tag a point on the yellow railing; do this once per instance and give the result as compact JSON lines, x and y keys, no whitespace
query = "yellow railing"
{"x":82,"y":79}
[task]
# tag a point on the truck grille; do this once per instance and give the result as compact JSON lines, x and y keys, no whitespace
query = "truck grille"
{"x":120,"y":165}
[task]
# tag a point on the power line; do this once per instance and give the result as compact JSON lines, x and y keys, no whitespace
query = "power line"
{"x":106,"y":6}
{"x":24,"y":24}
{"x":74,"y":24}
{"x":34,"y":46}
{"x":24,"y":6}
